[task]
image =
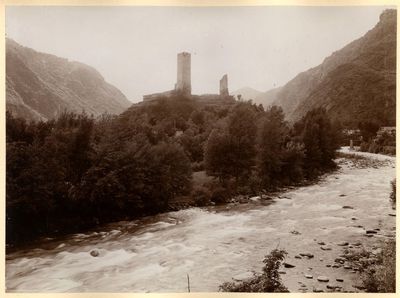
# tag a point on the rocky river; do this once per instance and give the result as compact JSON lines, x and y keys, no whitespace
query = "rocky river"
{"x":215,"y":244}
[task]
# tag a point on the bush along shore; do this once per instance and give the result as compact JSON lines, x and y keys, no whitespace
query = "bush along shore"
{"x":76,"y":172}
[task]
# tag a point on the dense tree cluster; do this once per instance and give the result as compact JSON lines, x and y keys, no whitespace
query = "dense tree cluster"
{"x":76,"y":172}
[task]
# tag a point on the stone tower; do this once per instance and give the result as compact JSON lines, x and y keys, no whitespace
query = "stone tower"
{"x":183,"y":83}
{"x":223,"y":86}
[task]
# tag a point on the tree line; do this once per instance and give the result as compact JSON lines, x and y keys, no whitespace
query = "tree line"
{"x":76,"y":172}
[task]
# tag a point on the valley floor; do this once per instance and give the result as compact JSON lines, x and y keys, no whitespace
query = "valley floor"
{"x":214,"y":244}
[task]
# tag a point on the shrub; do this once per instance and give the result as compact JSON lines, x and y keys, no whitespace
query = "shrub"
{"x":201,"y":196}
{"x":378,"y":272}
{"x":268,"y":281}
{"x":220,"y":195}
{"x":381,"y":277}
{"x":393,"y":193}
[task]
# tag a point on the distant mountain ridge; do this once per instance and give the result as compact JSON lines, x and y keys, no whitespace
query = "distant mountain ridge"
{"x":247,"y":93}
{"x":355,"y":84}
{"x":40,"y":86}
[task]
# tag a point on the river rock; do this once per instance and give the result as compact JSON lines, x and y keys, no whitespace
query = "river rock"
{"x":347,"y":267}
{"x":317,"y":290}
{"x":392,"y":214}
{"x":335,"y":266}
{"x":306,"y":254}
{"x":342,"y":195}
{"x":358,"y":243}
{"x":371,"y":232}
{"x":94,"y":253}
{"x":347,"y":207}
{"x":321,"y":243}
{"x":322,"y":278}
{"x":339,"y":279}
{"x":281,"y":272}
{"x":287,"y":265}
{"x":328,"y":265}
{"x":343,"y":243}
{"x":254,"y":199}
{"x":297,"y":257}
{"x":340,"y":260}
{"x":326,"y":248}
{"x":309,"y":276}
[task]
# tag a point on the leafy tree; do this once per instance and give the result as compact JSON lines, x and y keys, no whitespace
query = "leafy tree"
{"x":320,"y":141}
{"x":272,"y":139}
{"x":241,"y":133}
{"x":217,"y":155}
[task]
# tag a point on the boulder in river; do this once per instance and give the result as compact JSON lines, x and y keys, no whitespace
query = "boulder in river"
{"x":297,"y":257}
{"x":287,"y":265}
{"x":347,"y":207}
{"x":339,"y":279}
{"x":321,"y":243}
{"x":322,"y":278}
{"x":371,"y":232}
{"x":306,"y":254}
{"x":309,"y":276}
{"x":326,"y":248}
{"x":343,"y":243}
{"x":94,"y":253}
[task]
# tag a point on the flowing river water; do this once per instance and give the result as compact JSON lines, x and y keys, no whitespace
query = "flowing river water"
{"x":215,"y":244}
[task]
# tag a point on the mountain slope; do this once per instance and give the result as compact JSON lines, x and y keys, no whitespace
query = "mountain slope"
{"x":247,"y":93}
{"x":40,"y":86}
{"x":354,"y":84}
{"x":267,"y":98}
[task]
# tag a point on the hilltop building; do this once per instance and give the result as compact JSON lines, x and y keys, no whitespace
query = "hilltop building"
{"x":183,"y":84}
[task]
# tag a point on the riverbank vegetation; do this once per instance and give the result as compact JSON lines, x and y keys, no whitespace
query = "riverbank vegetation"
{"x":377,"y":268}
{"x":76,"y":172}
{"x":376,"y":140}
{"x":269,"y":281}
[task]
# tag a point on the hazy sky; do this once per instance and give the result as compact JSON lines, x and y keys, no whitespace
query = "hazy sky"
{"x":135,"y":48}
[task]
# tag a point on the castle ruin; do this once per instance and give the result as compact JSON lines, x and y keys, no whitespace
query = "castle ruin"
{"x":223,"y":86}
{"x":183,"y":84}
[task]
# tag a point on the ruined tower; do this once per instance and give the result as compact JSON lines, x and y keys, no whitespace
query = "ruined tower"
{"x":183,"y":83}
{"x":223,"y":86}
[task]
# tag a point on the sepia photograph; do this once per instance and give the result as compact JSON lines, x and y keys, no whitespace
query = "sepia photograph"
{"x":187,"y":149}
